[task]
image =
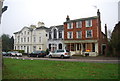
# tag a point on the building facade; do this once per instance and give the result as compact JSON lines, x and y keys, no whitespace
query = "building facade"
{"x":55,"y":38}
{"x":31,"y":38}
{"x":85,"y":36}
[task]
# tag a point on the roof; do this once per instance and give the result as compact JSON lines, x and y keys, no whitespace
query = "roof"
{"x":59,"y":27}
{"x":42,"y":27}
{"x":22,"y":29}
{"x":81,"y":19}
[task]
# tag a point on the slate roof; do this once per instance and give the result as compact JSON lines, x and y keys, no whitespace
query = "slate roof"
{"x":42,"y":27}
{"x":59,"y":27}
{"x":81,"y":19}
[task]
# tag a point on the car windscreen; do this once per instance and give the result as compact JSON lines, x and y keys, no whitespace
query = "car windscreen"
{"x":60,"y":50}
{"x":67,"y":51}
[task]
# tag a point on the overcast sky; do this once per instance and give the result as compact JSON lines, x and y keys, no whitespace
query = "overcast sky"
{"x":22,"y":13}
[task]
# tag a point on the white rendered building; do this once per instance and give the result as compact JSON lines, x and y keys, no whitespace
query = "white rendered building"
{"x":55,"y":38}
{"x":31,"y":38}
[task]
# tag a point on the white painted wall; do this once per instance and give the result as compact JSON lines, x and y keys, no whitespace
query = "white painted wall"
{"x":29,"y":44}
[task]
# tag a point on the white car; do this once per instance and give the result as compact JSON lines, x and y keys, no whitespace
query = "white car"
{"x":16,"y":53}
{"x":59,"y":53}
{"x":19,"y":54}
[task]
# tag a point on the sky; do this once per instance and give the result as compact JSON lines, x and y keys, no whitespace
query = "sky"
{"x":22,"y":13}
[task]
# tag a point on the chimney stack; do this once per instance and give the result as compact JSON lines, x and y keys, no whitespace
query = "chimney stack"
{"x":106,"y":30}
{"x":67,"y":19}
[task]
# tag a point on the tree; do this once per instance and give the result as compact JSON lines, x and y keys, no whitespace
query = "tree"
{"x":7,"y":42}
{"x":115,"y":40}
{"x":12,"y":43}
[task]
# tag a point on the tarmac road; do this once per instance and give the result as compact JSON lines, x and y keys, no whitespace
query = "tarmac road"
{"x":99,"y":59}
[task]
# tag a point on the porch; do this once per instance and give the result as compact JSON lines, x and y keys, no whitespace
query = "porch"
{"x":84,"y":48}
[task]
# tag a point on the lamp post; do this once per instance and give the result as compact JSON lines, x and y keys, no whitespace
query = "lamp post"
{"x":1,"y":57}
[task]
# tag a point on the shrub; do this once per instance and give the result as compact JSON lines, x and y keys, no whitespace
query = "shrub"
{"x":47,"y":51}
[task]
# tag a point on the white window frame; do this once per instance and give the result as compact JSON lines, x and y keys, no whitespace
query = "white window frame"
{"x":91,"y":34}
{"x":68,"y":25}
{"x":24,"y":39}
{"x":60,"y":32}
{"x":68,"y":35}
{"x":40,"y":39}
{"x":87,"y":21}
{"x":77,"y":34}
{"x":28,"y":39}
{"x":34,"y":39}
{"x":77,"y":24}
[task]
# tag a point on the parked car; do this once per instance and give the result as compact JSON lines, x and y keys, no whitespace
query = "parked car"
{"x":4,"y":53}
{"x":37,"y":54}
{"x":18,"y":54}
{"x":14,"y":53}
{"x":11,"y":53}
{"x":59,"y":53}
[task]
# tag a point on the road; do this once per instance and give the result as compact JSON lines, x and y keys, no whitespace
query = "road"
{"x":99,"y":59}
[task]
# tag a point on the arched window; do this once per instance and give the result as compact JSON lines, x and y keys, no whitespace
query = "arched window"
{"x":60,"y":46}
{"x":55,"y":34}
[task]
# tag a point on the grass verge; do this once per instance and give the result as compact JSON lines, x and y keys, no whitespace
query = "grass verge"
{"x":44,"y":69}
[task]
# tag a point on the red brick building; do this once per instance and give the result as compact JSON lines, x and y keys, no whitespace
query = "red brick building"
{"x":84,"y":35}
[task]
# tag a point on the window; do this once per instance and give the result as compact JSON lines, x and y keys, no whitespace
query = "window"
{"x":28,"y":33}
{"x":60,"y":34}
{"x":18,"y":39}
{"x":25,"y":32}
{"x":60,"y":46}
{"x":24,"y":39}
{"x":70,"y":35}
{"x":79,"y":34}
{"x":69,"y":25}
{"x":21,"y":39}
{"x":88,"y":23}
{"x":34,"y":39}
{"x":79,"y":24}
{"x":34,"y":48}
{"x":50,"y":37}
{"x":39,"y":39}
{"x":55,"y":34}
{"x":28,"y":39}
{"x":89,"y":34}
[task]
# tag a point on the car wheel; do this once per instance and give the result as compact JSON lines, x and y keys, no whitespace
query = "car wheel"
{"x":62,"y":56}
{"x":37,"y":56}
{"x":50,"y":56}
{"x":29,"y":56}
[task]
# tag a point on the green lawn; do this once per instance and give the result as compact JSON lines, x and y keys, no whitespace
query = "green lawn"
{"x":44,"y":69}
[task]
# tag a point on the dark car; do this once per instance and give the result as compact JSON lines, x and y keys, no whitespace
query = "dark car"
{"x":37,"y":54}
{"x":9,"y":53}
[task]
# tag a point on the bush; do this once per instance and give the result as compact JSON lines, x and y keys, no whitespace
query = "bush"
{"x":20,"y":51}
{"x":47,"y":51}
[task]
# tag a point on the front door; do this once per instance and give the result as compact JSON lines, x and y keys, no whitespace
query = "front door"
{"x":103,"y":49}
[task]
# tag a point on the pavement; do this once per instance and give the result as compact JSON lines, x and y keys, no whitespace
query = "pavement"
{"x":98,"y":59}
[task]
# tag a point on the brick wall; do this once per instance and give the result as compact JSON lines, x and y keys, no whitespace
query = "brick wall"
{"x":83,"y":29}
